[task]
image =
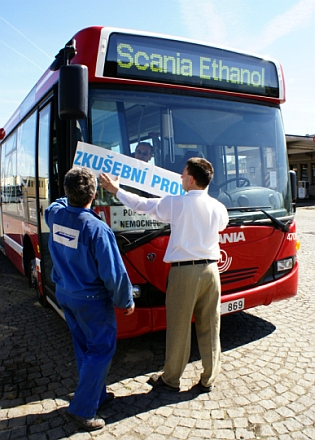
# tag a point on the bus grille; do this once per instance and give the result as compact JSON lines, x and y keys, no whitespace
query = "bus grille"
{"x":235,"y":276}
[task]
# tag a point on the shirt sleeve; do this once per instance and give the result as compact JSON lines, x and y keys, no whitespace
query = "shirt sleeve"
{"x":224,"y":218}
{"x":157,"y":208}
{"x":112,"y":269}
{"x":59,"y":203}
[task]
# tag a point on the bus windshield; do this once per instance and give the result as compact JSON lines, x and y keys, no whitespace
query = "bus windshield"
{"x":244,"y":142}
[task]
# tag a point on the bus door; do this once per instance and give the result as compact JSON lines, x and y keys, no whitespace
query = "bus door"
{"x":1,"y":184}
{"x":53,"y":162}
{"x":44,"y":193}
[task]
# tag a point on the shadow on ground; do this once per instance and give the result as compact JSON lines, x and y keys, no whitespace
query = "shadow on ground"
{"x":37,"y":361}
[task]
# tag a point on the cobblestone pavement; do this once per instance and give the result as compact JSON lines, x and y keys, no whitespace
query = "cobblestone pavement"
{"x":266,"y":389}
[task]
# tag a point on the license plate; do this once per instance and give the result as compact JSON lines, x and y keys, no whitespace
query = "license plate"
{"x":232,"y":306}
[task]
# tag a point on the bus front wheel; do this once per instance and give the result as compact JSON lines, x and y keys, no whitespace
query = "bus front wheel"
{"x":32,"y":279}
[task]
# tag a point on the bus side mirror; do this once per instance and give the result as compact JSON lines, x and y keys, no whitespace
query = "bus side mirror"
{"x":293,"y":185}
{"x":73,"y":92}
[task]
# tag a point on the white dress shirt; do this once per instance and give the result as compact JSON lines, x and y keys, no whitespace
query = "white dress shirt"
{"x":195,"y":219}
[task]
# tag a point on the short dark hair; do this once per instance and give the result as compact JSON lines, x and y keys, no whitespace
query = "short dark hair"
{"x":146,"y":144}
{"x":80,"y":186}
{"x":201,"y":170}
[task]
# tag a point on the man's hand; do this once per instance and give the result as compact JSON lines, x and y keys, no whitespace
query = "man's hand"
{"x":110,"y":185}
{"x":130,"y":310}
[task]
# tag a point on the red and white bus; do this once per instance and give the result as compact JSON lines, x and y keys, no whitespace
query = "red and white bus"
{"x":113,"y":88}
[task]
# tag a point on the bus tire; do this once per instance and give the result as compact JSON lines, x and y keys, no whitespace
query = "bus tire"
{"x":42,"y":300}
{"x":31,"y":274}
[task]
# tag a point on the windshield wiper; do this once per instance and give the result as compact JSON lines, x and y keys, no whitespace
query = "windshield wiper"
{"x":126,"y":243}
{"x":282,"y":226}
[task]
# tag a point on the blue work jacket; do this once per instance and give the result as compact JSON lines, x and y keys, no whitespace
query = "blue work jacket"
{"x":86,"y":259}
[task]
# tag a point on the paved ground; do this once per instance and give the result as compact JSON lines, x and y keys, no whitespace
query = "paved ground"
{"x":266,"y":389}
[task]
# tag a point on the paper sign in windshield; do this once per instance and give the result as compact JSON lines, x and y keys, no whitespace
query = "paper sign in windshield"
{"x":131,"y":172}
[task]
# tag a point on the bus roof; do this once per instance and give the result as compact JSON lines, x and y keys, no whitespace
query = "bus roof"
{"x":92,"y":46}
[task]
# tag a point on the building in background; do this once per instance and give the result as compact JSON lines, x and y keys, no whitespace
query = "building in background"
{"x":301,"y":153}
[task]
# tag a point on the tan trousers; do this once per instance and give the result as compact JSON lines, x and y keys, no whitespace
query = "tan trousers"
{"x":193,"y":290}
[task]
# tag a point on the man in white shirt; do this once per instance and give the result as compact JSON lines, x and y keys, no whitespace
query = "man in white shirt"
{"x":194,"y":282}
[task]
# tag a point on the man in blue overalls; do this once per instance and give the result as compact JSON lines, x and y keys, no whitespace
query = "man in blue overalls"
{"x":90,"y":279}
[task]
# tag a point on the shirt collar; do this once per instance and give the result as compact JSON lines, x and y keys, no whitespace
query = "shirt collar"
{"x":193,"y":192}
{"x":77,"y":209}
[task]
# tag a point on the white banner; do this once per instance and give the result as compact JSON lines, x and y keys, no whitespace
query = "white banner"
{"x":132,"y":172}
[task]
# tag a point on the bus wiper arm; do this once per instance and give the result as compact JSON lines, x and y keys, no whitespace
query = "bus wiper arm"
{"x":275,"y":221}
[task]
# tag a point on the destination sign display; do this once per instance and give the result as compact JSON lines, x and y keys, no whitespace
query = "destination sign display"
{"x":175,"y":62}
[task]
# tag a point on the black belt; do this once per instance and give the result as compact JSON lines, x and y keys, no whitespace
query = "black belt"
{"x":192,"y":262}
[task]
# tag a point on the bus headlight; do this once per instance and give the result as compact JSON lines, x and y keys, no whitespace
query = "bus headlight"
{"x":136,"y":291}
{"x":285,"y":264}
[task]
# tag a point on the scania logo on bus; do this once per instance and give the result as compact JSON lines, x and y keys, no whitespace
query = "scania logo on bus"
{"x":225,"y":261}
{"x":151,"y":257}
{"x":233,"y":237}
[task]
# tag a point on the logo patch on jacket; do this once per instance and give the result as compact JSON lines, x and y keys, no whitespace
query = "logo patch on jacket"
{"x":66,"y":236}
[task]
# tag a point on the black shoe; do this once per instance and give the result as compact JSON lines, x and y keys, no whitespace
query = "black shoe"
{"x":204,"y":389}
{"x":157,"y":382}
{"x":87,"y":424}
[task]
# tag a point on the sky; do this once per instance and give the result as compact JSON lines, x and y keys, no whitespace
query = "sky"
{"x":32,"y":32}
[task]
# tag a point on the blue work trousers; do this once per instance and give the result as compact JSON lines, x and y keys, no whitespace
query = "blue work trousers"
{"x":92,"y":323}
